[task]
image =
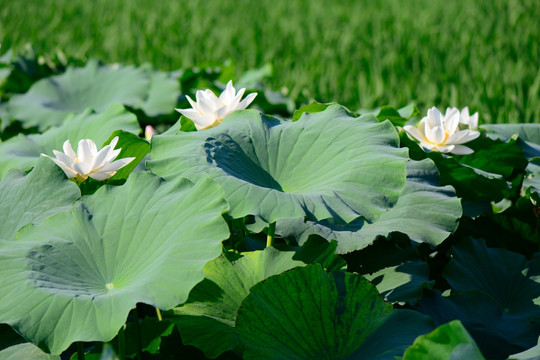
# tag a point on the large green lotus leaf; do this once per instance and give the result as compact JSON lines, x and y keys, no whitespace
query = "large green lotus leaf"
{"x":26,"y":351}
{"x":22,"y":151}
{"x":75,"y":276}
{"x":30,"y":199}
{"x":95,"y":86}
{"x":207,"y":319}
{"x":327,"y":164}
{"x":448,"y":341}
{"x":425,"y":211}
{"x":306,"y":313}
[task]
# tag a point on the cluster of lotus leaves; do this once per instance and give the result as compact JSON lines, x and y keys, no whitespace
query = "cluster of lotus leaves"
{"x":328,"y":173}
{"x":73,"y":267}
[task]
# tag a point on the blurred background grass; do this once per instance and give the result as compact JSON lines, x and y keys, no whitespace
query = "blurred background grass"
{"x":363,"y":54}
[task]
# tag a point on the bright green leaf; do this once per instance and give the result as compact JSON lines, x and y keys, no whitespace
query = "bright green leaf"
{"x":132,"y":146}
{"x":311,"y":108}
{"x":448,"y":341}
{"x":395,"y":116}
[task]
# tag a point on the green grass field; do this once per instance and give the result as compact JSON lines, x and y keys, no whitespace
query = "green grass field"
{"x":363,"y":54}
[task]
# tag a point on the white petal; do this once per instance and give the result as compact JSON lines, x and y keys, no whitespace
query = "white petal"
{"x":445,"y":148}
{"x":82,"y":168}
{"x":463,"y":136}
{"x":427,"y":145}
{"x":436,"y":134}
{"x":473,"y":121}
{"x":86,"y":150}
{"x":233,"y":105}
{"x":70,"y":173}
{"x":462,"y":150}
{"x":191,"y":114}
{"x":224,"y":111}
{"x":116,"y":165}
{"x":102,"y":175}
{"x":193,"y":104}
{"x":215,"y":123}
{"x":68,"y":150}
{"x":245,"y":103}
{"x":228,"y":94}
{"x":451,"y":120}
{"x":63,"y":158}
{"x":206,"y":105}
{"x":414,"y":132}
{"x":240,"y":93}
{"x":464,"y":115}
{"x":101,"y":157}
{"x":112,"y":154}
{"x":434,"y":117}
{"x":205,"y":122}
{"x":113,"y":142}
{"x":208,"y":99}
{"x":422,"y":126}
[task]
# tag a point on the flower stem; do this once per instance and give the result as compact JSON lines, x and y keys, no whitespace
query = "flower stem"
{"x":80,"y":350}
{"x":271,"y":234}
{"x":158,"y":313}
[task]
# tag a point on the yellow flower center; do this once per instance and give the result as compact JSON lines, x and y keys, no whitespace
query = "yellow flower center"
{"x":446,"y":135}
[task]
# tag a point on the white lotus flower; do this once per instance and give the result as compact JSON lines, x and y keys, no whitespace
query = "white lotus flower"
{"x":88,"y":162}
{"x":469,"y":120}
{"x":209,"y":110}
{"x":441,"y":133}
